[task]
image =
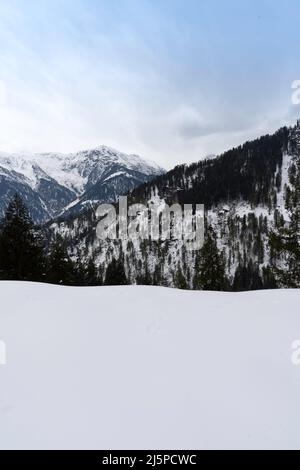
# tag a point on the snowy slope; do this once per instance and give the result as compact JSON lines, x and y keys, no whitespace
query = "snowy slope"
{"x":105,"y":368}
{"x":227,"y":220}
{"x":51,"y":182}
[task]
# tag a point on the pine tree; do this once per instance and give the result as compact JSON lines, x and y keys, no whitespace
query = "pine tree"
{"x":180,"y":281}
{"x":144,"y":279}
{"x":115,"y":274}
{"x":79,"y":277}
{"x":21,"y":251}
{"x":60,"y":269}
{"x":157,"y":275}
{"x":92,"y":278}
{"x":210,"y":266}
{"x":247,"y":277}
{"x":269,"y":281}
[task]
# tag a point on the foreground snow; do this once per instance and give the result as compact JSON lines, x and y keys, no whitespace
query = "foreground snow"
{"x":146,"y":367}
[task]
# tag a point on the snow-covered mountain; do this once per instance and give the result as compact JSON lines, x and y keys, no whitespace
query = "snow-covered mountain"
{"x":52,"y":184}
{"x":245,"y":192}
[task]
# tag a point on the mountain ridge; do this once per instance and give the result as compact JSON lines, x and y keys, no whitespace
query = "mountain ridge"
{"x":245,"y":193}
{"x":50,"y":182}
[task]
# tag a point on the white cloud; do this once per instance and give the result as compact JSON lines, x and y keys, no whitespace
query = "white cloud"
{"x":78,"y":79}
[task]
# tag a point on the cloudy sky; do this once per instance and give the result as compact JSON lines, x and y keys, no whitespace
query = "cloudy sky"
{"x":172,"y":80}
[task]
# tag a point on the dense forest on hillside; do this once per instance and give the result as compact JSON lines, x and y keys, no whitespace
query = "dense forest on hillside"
{"x":252,"y":242}
{"x":247,"y":172}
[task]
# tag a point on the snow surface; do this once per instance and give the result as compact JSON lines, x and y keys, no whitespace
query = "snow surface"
{"x":148,"y":367}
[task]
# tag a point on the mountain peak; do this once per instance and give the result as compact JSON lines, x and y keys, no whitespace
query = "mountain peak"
{"x":55,"y":181}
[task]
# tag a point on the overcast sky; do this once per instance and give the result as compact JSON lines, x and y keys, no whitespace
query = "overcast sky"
{"x":172,"y":80}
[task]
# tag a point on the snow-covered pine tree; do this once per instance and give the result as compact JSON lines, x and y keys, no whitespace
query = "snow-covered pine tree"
{"x":285,"y":240}
{"x":179,"y":280}
{"x":92,"y":277}
{"x":210,"y":265}
{"x":60,"y":268}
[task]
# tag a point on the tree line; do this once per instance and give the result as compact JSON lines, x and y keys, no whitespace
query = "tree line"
{"x":24,"y":255}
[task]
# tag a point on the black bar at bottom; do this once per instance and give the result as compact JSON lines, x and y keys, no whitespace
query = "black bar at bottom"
{"x":151,"y":459}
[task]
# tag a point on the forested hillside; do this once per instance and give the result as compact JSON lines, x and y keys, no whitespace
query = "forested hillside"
{"x":251,"y":197}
